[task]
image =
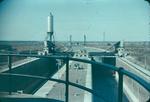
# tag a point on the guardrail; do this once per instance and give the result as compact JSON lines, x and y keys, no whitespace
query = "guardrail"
{"x":121,"y":72}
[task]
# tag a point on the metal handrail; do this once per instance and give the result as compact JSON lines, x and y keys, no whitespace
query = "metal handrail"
{"x":121,"y":72}
{"x":52,"y":79}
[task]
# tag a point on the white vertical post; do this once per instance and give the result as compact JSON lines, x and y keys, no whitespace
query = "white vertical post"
{"x":50,"y":23}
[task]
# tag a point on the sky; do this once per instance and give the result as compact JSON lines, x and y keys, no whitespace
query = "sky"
{"x":24,"y":20}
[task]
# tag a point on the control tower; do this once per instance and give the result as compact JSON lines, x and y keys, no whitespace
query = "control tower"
{"x":49,"y":41}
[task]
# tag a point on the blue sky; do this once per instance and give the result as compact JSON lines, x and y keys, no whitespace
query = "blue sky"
{"x":120,"y":19}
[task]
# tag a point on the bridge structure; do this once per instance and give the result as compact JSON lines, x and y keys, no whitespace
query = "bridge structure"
{"x":90,"y":75}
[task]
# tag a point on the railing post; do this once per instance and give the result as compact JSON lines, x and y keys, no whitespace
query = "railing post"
{"x":10,"y":78}
{"x":67,"y":80}
{"x":120,"y":85}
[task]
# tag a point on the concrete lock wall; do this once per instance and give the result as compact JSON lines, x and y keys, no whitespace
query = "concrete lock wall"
{"x":103,"y":81}
{"x":133,"y":90}
{"x":39,"y":67}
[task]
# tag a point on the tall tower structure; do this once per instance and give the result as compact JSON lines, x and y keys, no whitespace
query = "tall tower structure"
{"x":104,"y":37}
{"x":50,"y":27}
{"x":48,"y":43}
{"x":84,"y":40}
{"x":70,"y":37}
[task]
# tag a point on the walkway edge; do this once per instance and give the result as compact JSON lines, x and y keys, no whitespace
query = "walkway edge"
{"x":87,"y":95}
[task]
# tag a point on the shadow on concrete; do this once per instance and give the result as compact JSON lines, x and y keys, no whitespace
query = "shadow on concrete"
{"x":40,"y":67}
{"x":104,"y":83}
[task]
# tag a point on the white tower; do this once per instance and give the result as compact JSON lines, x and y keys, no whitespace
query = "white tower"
{"x":50,"y":27}
{"x":48,"y":43}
